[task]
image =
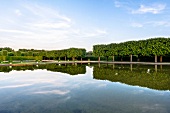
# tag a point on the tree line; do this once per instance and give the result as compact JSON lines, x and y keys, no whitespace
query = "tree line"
{"x":68,"y":69}
{"x":154,"y":47}
{"x":142,"y":48}
{"x":7,"y":53}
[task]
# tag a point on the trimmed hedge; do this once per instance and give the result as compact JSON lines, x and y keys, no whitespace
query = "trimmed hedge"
{"x":11,"y":58}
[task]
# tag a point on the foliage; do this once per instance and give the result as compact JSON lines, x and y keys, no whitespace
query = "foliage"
{"x":156,"y":80}
{"x":4,"y":52}
{"x":149,"y":47}
{"x":69,"y":69}
{"x":32,"y":54}
{"x":7,"y":49}
{"x":2,"y":58}
{"x":142,"y":48}
{"x":11,"y":58}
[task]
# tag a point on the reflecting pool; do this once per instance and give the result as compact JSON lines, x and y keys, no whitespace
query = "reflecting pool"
{"x":91,"y":88}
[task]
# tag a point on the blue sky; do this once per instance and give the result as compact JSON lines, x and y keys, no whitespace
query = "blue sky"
{"x":61,"y":24}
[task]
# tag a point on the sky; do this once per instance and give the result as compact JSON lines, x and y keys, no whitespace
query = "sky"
{"x":61,"y":24}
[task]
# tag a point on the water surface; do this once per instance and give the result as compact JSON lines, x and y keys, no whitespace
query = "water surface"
{"x":85,"y":89}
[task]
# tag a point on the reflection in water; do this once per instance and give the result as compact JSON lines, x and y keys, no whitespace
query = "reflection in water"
{"x":113,"y":66}
{"x":69,"y":69}
{"x":161,"y":67}
{"x":156,"y":68}
{"x":44,"y":91}
{"x":131,"y":66}
{"x":141,"y":76}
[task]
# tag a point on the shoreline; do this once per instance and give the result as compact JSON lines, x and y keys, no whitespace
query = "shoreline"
{"x":84,"y":62}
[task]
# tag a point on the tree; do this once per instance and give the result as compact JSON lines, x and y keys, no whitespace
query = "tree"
{"x":98,"y":50}
{"x":18,"y":53}
{"x":8,"y":49}
{"x":142,"y":48}
{"x":4,"y":52}
{"x":10,"y":53}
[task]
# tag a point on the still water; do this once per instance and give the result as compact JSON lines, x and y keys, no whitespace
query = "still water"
{"x":83,"y":88}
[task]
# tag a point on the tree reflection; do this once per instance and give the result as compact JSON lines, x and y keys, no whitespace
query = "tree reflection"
{"x":5,"y":69}
{"x":155,"y":79}
{"x":69,"y":69}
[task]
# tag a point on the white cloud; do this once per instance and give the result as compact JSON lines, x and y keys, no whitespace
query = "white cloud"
{"x":117,"y":4}
{"x":64,"y":18}
{"x":92,"y":33}
{"x":53,"y":25}
{"x":42,"y":27}
{"x":15,"y":86}
{"x":122,"y":4}
{"x":15,"y":31}
{"x":100,"y":31}
{"x":137,"y":25}
{"x":151,"y":24}
{"x":46,"y":13}
{"x":159,"y":23}
{"x":154,"y":9}
{"x":18,"y":12}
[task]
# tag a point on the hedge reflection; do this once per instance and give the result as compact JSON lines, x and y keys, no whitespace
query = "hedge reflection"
{"x":68,"y":69}
{"x":143,"y":76}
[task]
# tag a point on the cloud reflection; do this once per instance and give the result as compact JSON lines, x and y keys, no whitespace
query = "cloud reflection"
{"x":155,"y":107}
{"x":15,"y":86}
{"x":59,"y":92}
{"x":137,"y":91}
{"x":101,"y":85}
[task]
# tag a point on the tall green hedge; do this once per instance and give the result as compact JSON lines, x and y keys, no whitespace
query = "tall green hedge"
{"x":150,"y":47}
{"x":31,"y":54}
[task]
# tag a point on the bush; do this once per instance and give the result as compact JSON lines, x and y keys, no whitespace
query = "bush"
{"x":2,"y":58}
{"x":21,"y":58}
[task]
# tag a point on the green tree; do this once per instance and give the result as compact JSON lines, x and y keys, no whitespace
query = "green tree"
{"x":4,"y":52}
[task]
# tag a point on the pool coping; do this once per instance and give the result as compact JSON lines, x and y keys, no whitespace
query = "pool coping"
{"x":84,"y":62}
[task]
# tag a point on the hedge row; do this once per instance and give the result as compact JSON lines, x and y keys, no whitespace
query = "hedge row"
{"x":11,"y":58}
